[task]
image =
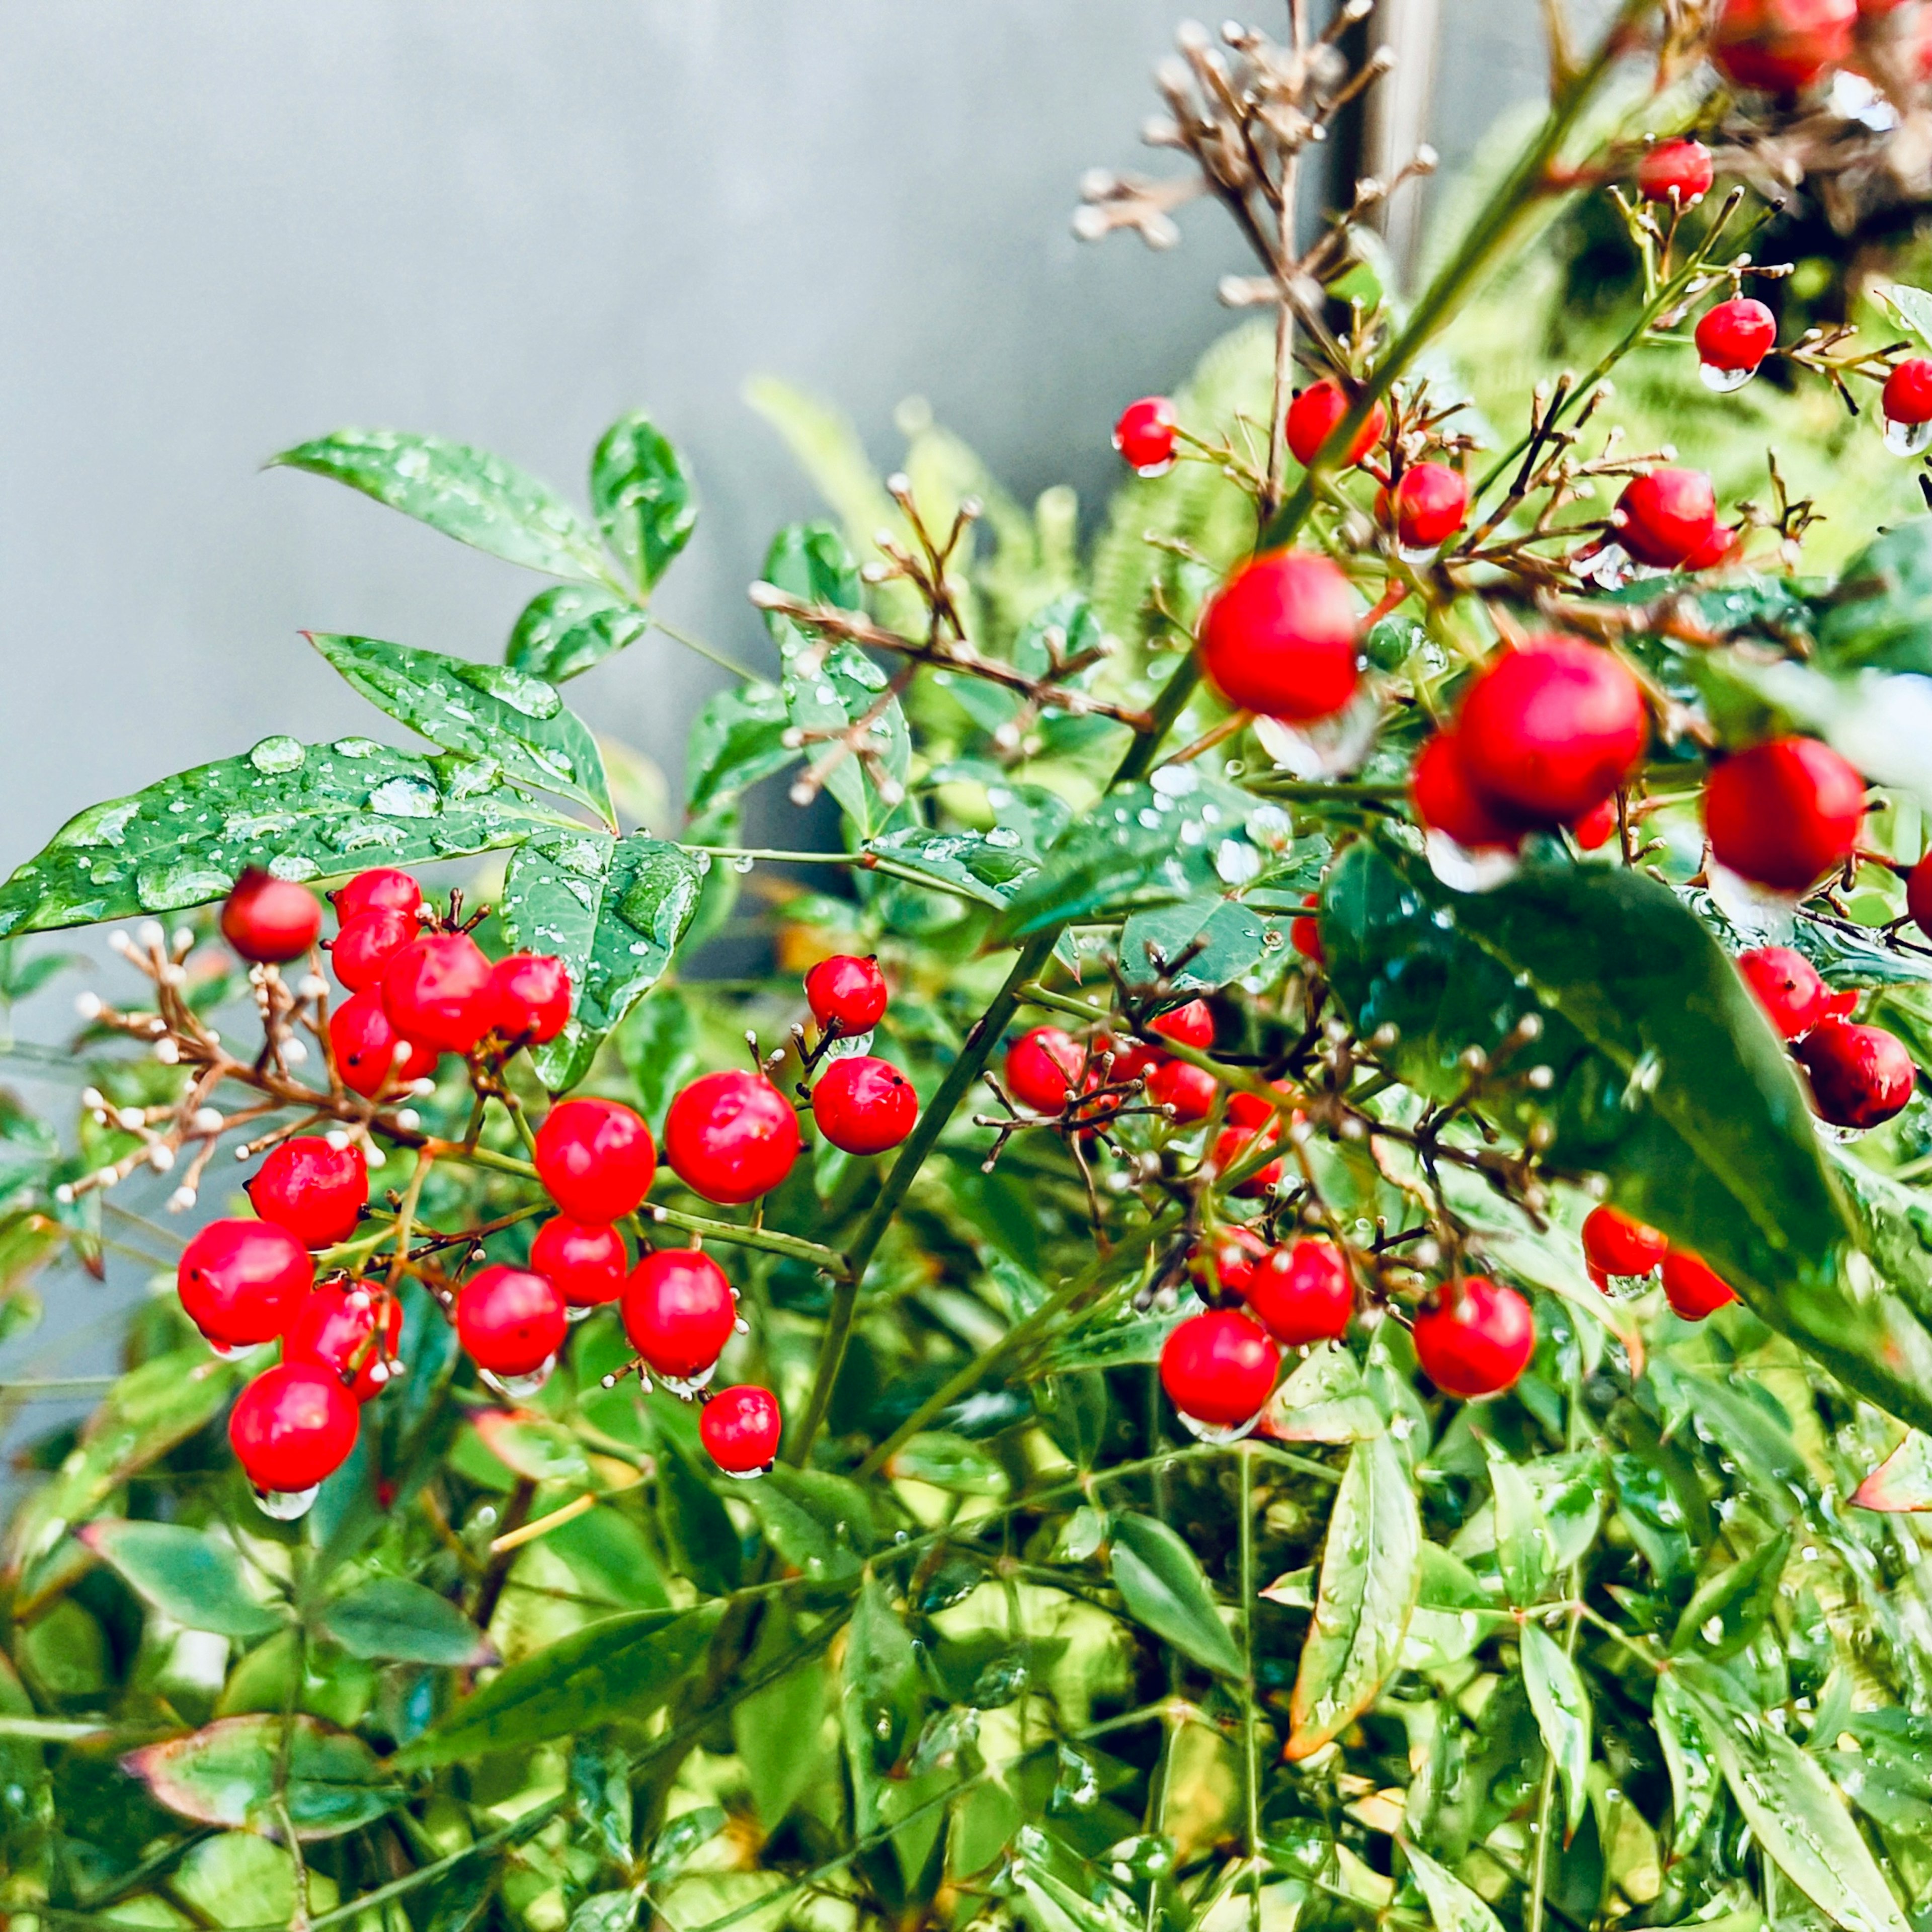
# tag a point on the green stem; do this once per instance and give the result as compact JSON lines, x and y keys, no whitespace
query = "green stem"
{"x":794,"y":1246}
{"x":1251,"y":1770}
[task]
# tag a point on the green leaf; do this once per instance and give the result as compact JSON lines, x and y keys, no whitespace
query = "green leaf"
{"x":1729,"y":1608}
{"x":478,"y":711}
{"x":660,"y":1047}
{"x":562,"y":631}
{"x":1161,"y":1582}
{"x":185,"y":1573}
{"x":605,"y":1912}
{"x":614,"y":911}
{"x":642,"y":497}
{"x":688,"y":1834}
{"x":301,"y":811}
{"x":396,"y":1620}
{"x":737,"y":739}
{"x":1562,"y":1708}
{"x":1665,"y":1075}
{"x":225,"y":1775}
{"x":1794,"y":1812}
{"x":600,"y":1785}
{"x":1525,"y":1553}
{"x":776,"y":1729}
{"x":1220,"y":940}
{"x":1370,"y":1574}
{"x":1324,"y":1400}
{"x":883,"y":1698}
{"x":1452,"y":1905}
{"x":623,"y":1666}
{"x":1695,"y":1781}
{"x":467,"y":493}
{"x":1902,"y":1481}
{"x":820,"y":1523}
{"x":983,"y":865}
{"x":1912,"y":306}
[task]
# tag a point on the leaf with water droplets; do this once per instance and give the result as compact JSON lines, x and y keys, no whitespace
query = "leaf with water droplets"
{"x":980,"y":864}
{"x":187,"y":1574}
{"x":479,"y":711}
{"x":1729,"y":1607}
{"x":1371,"y":1570}
{"x":467,"y":493}
{"x":1452,"y":1906}
{"x":1694,"y":1778}
{"x":562,"y":631}
{"x":642,"y":497}
{"x":736,"y":740}
{"x":1562,"y":1708}
{"x":884,"y":1697}
{"x":226,"y":1775}
{"x":1324,"y":1400}
{"x":1219,"y":940}
{"x":1162,"y":1583}
{"x":614,"y":911}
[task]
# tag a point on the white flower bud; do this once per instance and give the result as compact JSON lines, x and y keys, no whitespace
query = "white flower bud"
{"x":93,"y":1097}
{"x":312,"y":986}
{"x":167,"y":1051}
{"x":181,"y":1200}
{"x":293,"y":1053}
{"x":131,"y":1119}
{"x":160,"y":1157}
{"x":150,"y":934}
{"x":208,"y":1120}
{"x":89,"y":1006}
{"x":64,"y":1194}
{"x":408,"y":1119}
{"x":337,"y":1138}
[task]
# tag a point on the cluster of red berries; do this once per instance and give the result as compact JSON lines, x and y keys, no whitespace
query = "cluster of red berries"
{"x":1860,"y":1076}
{"x":1046,"y":1067}
{"x":1617,"y":1247}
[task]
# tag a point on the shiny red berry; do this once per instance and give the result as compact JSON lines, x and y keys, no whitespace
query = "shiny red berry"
{"x":436,"y":990}
{"x":1907,"y":395}
{"x":1125,"y":1059}
{"x":316,"y":1191}
{"x":1692,"y":1288}
{"x":241,"y":1281}
{"x":1787,"y":986}
{"x":352,"y":1332}
{"x":1597,"y":827}
{"x":361,"y":951}
{"x":293,"y":1427}
{"x":847,"y":994}
{"x":1250,"y":1110}
{"x":1279,"y":638}
{"x":1235,"y":1251}
{"x":268,"y":919}
{"x":1735,"y":335}
{"x":731,"y":1137}
{"x":739,"y":1428}
{"x":1302,"y":1293}
{"x":1218,"y":1368}
{"x":1042,"y":1067}
{"x":1190,"y":1025}
{"x":679,"y":1311}
{"x":381,"y":889}
{"x":1304,"y":934}
{"x":1665,"y":517}
{"x":1782,"y":813}
{"x":1781,"y":46}
{"x":1619,"y":1243}
{"x":1550,"y":729}
{"x":529,"y":997}
{"x":1428,"y":506}
{"x":587,"y":1260}
{"x":365,"y":1046}
{"x":1188,"y":1090}
{"x":595,"y":1159}
{"x":1444,"y":800}
{"x":864,"y":1106}
{"x":1145,"y":435}
{"x":1314,"y":414}
{"x":1860,"y":1075}
{"x":1919,"y":895}
{"x":510,"y":1320}
{"x":1722,"y":548}
{"x":1474,"y":1337}
{"x":1679,"y":171}
{"x":1234,"y":1146}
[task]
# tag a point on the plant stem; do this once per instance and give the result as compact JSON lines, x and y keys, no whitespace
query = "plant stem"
{"x":795,"y":1247}
{"x":1251,"y":1772}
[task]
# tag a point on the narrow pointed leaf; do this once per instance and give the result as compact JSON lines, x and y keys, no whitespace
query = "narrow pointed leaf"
{"x":1452,"y":1906}
{"x":1562,"y":1708}
{"x":1902,"y":1481}
{"x":186,"y":1574}
{"x":1161,"y":1582}
{"x":398,"y":1621}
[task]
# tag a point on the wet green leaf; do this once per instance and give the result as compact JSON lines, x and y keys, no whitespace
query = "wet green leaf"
{"x":883,"y":1698}
{"x":820,"y":1523}
{"x":1324,"y":1400}
{"x":187,"y":1574}
{"x":642,"y":497}
{"x":1695,"y":1780}
{"x":1452,"y":1905}
{"x":1161,"y":1582}
{"x":1729,"y":1608}
{"x":777,"y":1729}
{"x":1219,"y":940}
{"x":1525,"y":1556}
{"x":600,"y":1784}
{"x":225,"y":1775}
{"x":983,"y":865}
{"x":392,"y":1618}
{"x":562,"y":631}
{"x":737,"y":739}
{"x":1562,"y":1708}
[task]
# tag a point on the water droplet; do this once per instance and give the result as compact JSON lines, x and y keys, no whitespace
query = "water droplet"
{"x":743,"y":862}
{"x":1217,"y":1436}
{"x":1330,"y":747}
{"x":404,"y":797}
{"x":278,"y":753}
{"x":1723,"y":382}
{"x":287,"y":1505}
{"x":1237,"y":862}
{"x":187,"y":882}
{"x":850,"y":1046}
{"x":1904,"y":439}
{"x":1004,"y":837}
{"x":1464,"y":871}
{"x":517,"y":1386}
{"x":685,"y":1386}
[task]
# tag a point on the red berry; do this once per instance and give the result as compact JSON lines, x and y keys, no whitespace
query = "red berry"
{"x":268,"y":919}
{"x":1188,"y":1090}
{"x":1619,"y":1243}
{"x":1665,"y":517}
{"x":336,"y":1327}
{"x":509,"y":1321}
{"x":381,"y":889}
{"x":864,"y":1106}
{"x":1429,"y":505}
{"x":1304,"y":934}
{"x":740,"y":1429}
{"x":1302,"y":1293}
{"x":1907,"y":396}
{"x":364,"y":1045}
{"x":1218,"y":1368}
{"x":1597,"y":826}
{"x":1232,"y":1147}
{"x":1042,"y":1067}
{"x":1679,"y":171}
{"x":436,"y":990}
{"x":1919,"y":895}
{"x":293,"y":1427}
{"x":594,"y":1159}
{"x":679,"y":1311}
{"x":1550,"y":729}
{"x":1145,"y":435}
{"x":586,"y":1261}
{"x":1250,"y":1110}
{"x":1126,"y":1059}
{"x":1692,"y":1288}
{"x":241,"y":1281}
{"x":1861,"y":1076}
{"x":529,"y":997}
{"x":1314,"y":414}
{"x":1723,"y":546}
{"x":731,"y":1137}
{"x":1191,"y":1025}
{"x":1235,"y":1252}
{"x":1786,"y":985}
{"x":1474,"y":1338}
{"x":1444,"y":800}
{"x":1781,"y":46}
{"x":361,"y":951}
{"x":1735,"y":334}
{"x":847,"y":994}
{"x":317,"y":1192}
{"x":1782,"y":813}
{"x":1279,"y":638}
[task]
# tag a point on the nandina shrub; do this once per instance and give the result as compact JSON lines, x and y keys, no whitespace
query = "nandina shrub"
{"x":1255,"y":1324}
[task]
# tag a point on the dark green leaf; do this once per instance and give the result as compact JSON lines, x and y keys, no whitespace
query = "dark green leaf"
{"x":394,"y":1619}
{"x":303,"y":811}
{"x":1160,"y":1582}
{"x":600,"y":1782}
{"x":1879,"y":616}
{"x":673,"y":1849}
{"x":467,"y":493}
{"x":564,"y":631}
{"x":1452,"y":1905}
{"x":737,"y":739}
{"x":1220,"y":940}
{"x":659,"y":1043}
{"x":185,"y":1573}
{"x":883,"y":1698}
{"x":983,"y":865}
{"x":1562,"y":1708}
{"x":777,"y":1729}
{"x":642,"y":497}
{"x":225,"y":1775}
{"x":1729,"y":1608}
{"x":1695,"y":1781}
{"x":820,"y":1523}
